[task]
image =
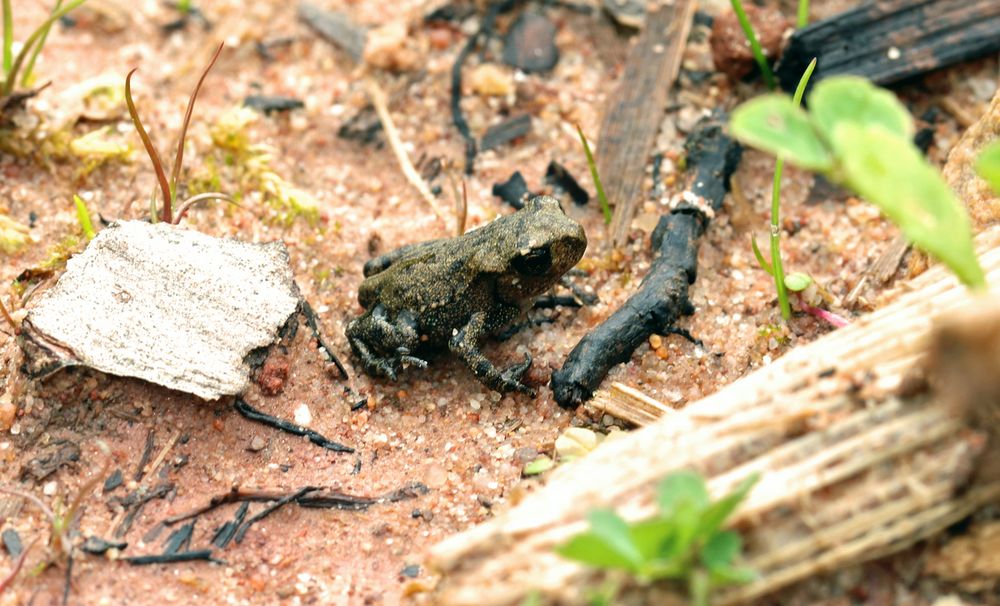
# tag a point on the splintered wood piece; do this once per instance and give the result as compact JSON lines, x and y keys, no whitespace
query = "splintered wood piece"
{"x":855,"y":461}
{"x":635,"y":109}
{"x":630,"y":404}
{"x":891,"y":40}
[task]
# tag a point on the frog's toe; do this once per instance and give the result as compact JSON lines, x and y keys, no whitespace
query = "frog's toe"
{"x":511,"y":377}
{"x":404,"y":357}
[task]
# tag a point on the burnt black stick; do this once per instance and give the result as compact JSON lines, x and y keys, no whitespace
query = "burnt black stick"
{"x":662,"y":297}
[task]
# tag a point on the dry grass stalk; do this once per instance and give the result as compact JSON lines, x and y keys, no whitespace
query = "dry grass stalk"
{"x":381,"y":106}
{"x":629,"y":404}
{"x":849,"y":470}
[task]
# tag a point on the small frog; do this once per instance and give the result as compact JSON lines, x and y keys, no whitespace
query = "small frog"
{"x":456,"y":291}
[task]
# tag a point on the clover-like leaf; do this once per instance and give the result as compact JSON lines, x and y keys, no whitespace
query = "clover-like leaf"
{"x":608,"y":544}
{"x":775,"y":124}
{"x":856,"y":100}
{"x":889,"y":172}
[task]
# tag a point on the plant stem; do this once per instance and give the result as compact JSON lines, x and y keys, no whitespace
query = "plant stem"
{"x":779,"y":165}
{"x":601,"y":197}
{"x":179,"y":160}
{"x":83,"y":216}
{"x":8,"y":38}
{"x":30,"y":67}
{"x":755,"y":48}
{"x":154,"y":157}
{"x":803,"y":13}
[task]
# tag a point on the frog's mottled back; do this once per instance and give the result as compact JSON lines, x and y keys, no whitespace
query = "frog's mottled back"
{"x":455,"y":291}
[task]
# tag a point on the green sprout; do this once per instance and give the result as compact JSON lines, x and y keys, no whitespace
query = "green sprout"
{"x":30,"y":49}
{"x":860,"y":136}
{"x":803,"y":16}
{"x":83,"y":216}
{"x":775,"y":268}
{"x":755,"y":48}
{"x":601,"y":197}
{"x":684,"y":542}
{"x":168,"y":189}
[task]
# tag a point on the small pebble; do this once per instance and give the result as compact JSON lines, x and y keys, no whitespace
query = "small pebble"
{"x":257,"y":444}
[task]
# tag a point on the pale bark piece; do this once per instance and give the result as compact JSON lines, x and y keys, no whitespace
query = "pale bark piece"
{"x":635,"y":109}
{"x":859,"y":443}
{"x":174,"y":307}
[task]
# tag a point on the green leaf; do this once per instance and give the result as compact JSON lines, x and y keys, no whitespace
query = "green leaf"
{"x":856,"y":100}
{"x":798,"y":281}
{"x":607,"y":545}
{"x":539,"y":465}
{"x":774,"y":123}
{"x":889,"y":171}
{"x":655,"y":538}
{"x":988,"y":166}
{"x":679,"y":489}
{"x":720,"y":550}
{"x":83,"y":217}
{"x":732,"y":576}
{"x":719,"y":512}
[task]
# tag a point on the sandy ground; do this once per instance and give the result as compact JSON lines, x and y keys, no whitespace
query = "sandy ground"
{"x":438,"y":427}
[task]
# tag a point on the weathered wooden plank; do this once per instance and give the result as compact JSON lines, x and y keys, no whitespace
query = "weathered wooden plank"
{"x":891,"y":40}
{"x":635,"y":108}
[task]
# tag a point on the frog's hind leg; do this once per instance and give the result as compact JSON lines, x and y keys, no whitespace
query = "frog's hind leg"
{"x":465,"y":344}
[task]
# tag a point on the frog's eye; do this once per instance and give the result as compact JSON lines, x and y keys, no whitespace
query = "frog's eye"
{"x":535,"y":262}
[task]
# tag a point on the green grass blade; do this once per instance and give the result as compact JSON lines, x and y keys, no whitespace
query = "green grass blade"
{"x":755,"y":48}
{"x":30,"y":67}
{"x":601,"y":197}
{"x":8,"y":37}
{"x":154,"y":157}
{"x":803,"y":19}
{"x":15,"y":68}
{"x":760,"y":257}
{"x":83,"y":216}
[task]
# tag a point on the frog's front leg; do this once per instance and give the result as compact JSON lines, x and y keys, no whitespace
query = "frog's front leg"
{"x":373,"y":334}
{"x":465,"y":344}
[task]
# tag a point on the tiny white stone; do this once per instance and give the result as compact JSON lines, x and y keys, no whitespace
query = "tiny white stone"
{"x":303,"y":416}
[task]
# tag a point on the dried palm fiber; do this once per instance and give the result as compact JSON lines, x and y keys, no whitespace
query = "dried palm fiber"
{"x":858,"y":457}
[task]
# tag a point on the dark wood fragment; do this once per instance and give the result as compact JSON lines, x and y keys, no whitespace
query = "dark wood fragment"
{"x":147,"y":452}
{"x":179,"y":540}
{"x":557,"y":175}
{"x":51,"y":458}
{"x":513,"y":191}
{"x":662,"y":297}
{"x":335,"y":27}
{"x":115,"y":480}
{"x":506,"y":131}
{"x":227,"y":531}
{"x":272,"y":103}
{"x":363,"y":127}
{"x":891,"y":40}
{"x":635,"y":109}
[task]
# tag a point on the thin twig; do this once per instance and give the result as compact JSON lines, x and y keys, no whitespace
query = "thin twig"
{"x":210,"y":195}
{"x":377,"y":96}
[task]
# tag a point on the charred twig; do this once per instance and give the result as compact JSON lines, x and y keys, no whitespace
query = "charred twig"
{"x":147,"y":452}
{"x":204,"y":555}
{"x":457,"y":117}
{"x":242,"y":531}
{"x":337,"y":28}
{"x":663,"y":295}
{"x":135,"y":501}
{"x":253,"y":414}
{"x":95,"y":545}
{"x":892,"y":40}
{"x":505,"y":132}
{"x":313,"y":323}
